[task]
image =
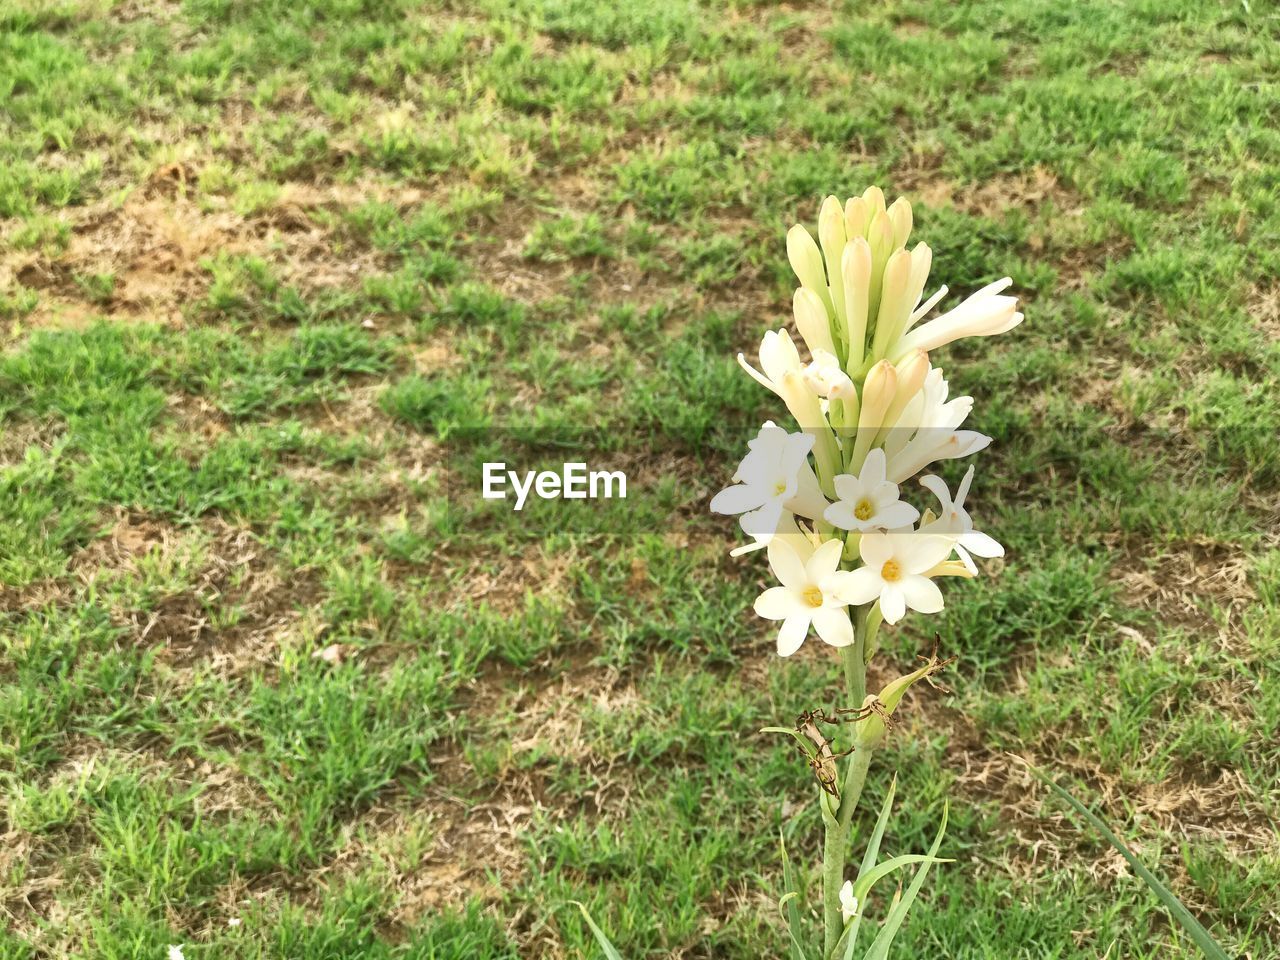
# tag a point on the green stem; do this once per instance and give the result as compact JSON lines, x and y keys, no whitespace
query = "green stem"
{"x":835,"y":845}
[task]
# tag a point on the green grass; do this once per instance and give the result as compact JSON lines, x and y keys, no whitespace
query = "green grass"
{"x":398,"y":239}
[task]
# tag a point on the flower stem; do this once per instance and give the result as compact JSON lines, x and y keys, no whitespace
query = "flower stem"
{"x":835,"y":846}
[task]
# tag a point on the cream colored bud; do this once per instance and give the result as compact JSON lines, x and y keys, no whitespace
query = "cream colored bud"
{"x":855,"y":275}
{"x":874,"y":198}
{"x":806,"y":259}
{"x":802,"y":403}
{"x":880,"y":237}
{"x":812,"y":321}
{"x":911,"y":371}
{"x":895,"y":307}
{"x":856,"y":219}
{"x":831,"y":235}
{"x":831,"y":231}
{"x":900,"y":216}
{"x":877,"y":394}
{"x":921,"y":261}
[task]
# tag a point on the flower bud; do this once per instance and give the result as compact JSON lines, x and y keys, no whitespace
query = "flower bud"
{"x":831,"y":235}
{"x":873,"y":197}
{"x":806,"y":261}
{"x":880,"y":237}
{"x":877,"y":394}
{"x":856,"y":219}
{"x":900,"y":217}
{"x":812,"y":321}
{"x":911,"y":371}
{"x":802,"y":403}
{"x":921,"y":261}
{"x":894,"y":305}
{"x":855,"y":275}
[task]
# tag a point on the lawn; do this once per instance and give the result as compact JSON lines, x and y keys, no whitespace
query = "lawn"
{"x":274,"y":275}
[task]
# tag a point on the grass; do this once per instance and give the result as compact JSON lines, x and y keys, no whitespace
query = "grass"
{"x":277,"y":276}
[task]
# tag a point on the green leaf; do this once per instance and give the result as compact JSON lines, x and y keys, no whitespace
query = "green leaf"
{"x":610,"y":951}
{"x":880,"y":946}
{"x":1204,"y":940}
{"x":800,"y":738}
{"x":790,"y":901}
{"x":882,"y":821}
{"x":849,"y":939}
{"x":864,"y":884}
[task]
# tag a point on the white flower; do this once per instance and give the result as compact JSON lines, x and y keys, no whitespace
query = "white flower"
{"x":869,"y":501}
{"x":772,"y":478}
{"x":894,"y":574}
{"x":848,"y":902}
{"x":926,"y":431}
{"x":825,"y":378}
{"x":175,"y":952}
{"x":954,"y":521}
{"x":983,"y":314}
{"x":812,"y":592}
{"x":787,"y":529}
{"x":778,"y":357}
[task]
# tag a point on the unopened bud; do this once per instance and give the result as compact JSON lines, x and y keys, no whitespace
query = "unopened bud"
{"x":831,"y":234}
{"x":812,"y":321}
{"x":877,"y":394}
{"x":855,"y":275}
{"x":900,"y":216}
{"x":856,"y":219}
{"x":806,"y":261}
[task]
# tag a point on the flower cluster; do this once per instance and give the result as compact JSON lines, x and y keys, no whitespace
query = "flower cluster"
{"x":873,"y":412}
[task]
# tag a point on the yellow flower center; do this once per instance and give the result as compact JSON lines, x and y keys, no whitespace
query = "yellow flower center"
{"x":812,"y":596}
{"x":779,"y":488}
{"x":891,"y":572}
{"x":864,"y":509}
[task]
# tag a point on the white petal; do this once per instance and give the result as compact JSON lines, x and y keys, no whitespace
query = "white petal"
{"x":825,"y":561}
{"x":873,"y":468}
{"x":792,"y":634}
{"x":756,"y":375}
{"x":779,"y":603}
{"x":858,"y":586}
{"x":875,"y":549}
{"x":897,"y":514}
{"x":848,"y":902}
{"x":981,"y":544}
{"x":921,"y":593}
{"x":847,"y":487}
{"x":841,"y":515}
{"x":962,"y":491}
{"x":924,"y":552}
{"x":892,"y":603}
{"x":738,"y":499}
{"x":884,"y":492}
{"x":763,"y":522}
{"x":833,"y":626}
{"x":938,"y":487}
{"x":786,"y":564}
{"x":808,"y":500}
{"x":778,"y":355}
